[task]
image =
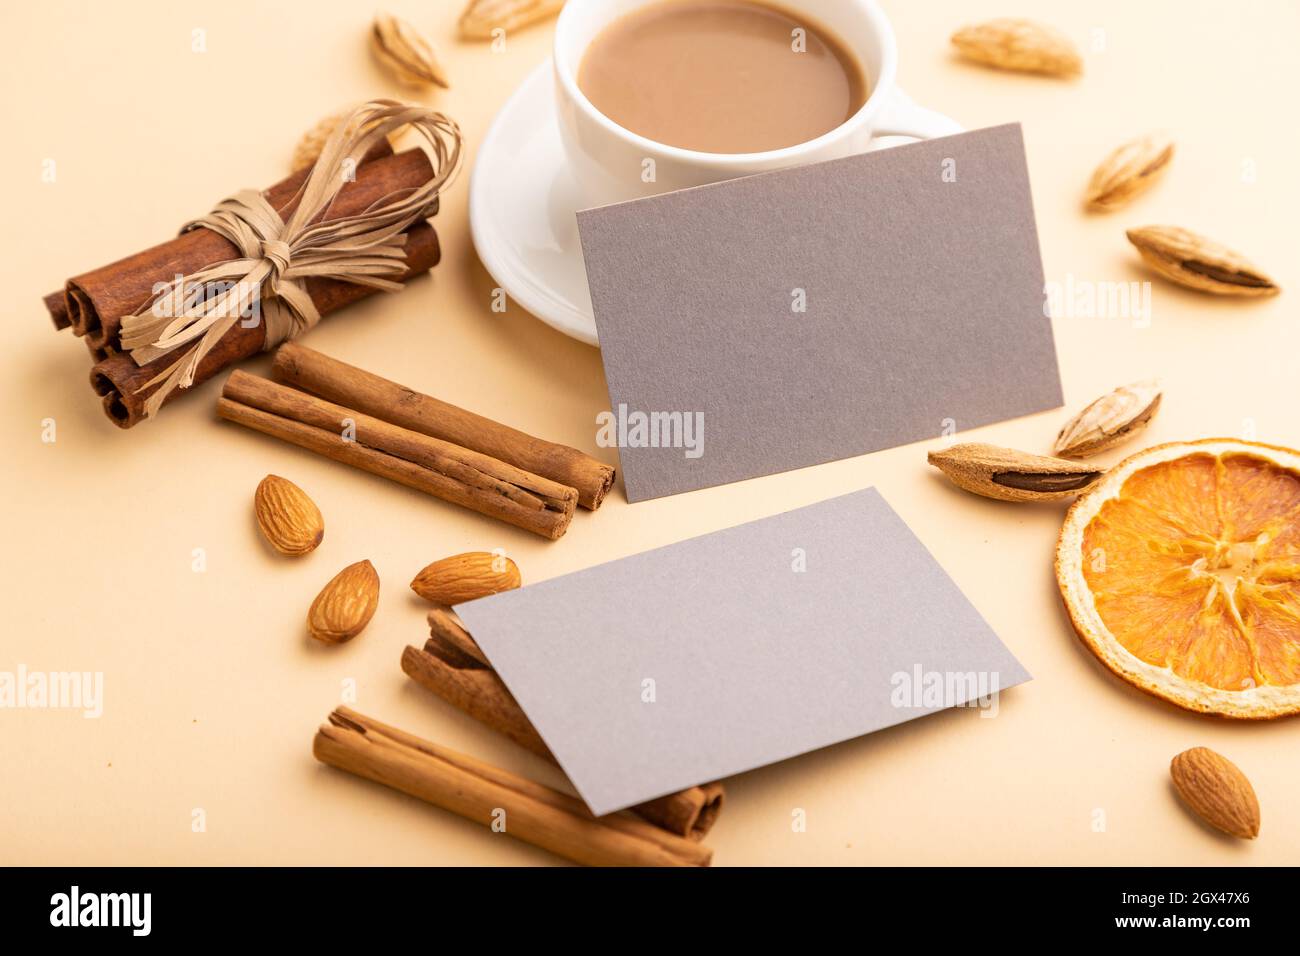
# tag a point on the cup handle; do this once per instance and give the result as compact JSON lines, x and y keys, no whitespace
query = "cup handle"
{"x":903,"y":117}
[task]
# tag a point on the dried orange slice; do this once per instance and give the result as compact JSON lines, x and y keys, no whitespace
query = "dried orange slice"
{"x":1180,"y":569}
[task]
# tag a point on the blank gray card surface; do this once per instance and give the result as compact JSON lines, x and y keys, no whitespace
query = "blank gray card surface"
{"x":822,"y":312}
{"x":733,"y":650}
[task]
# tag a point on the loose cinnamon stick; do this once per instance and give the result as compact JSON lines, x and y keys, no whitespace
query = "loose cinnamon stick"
{"x":337,"y":381}
{"x":463,"y":678}
{"x":480,"y":792}
{"x":118,"y":378}
{"x":97,"y":300}
{"x":439,"y":468}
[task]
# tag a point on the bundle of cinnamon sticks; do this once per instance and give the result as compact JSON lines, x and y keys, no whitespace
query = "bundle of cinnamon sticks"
{"x":360,"y":419}
{"x":93,"y":303}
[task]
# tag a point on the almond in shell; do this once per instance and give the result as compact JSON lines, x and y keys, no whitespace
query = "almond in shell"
{"x":1128,"y":171}
{"x":309,"y":147}
{"x":1010,"y":475}
{"x":1199,"y":263}
{"x":1020,"y":45}
{"x":482,"y":17}
{"x":1112,"y":419}
{"x":405,"y":52}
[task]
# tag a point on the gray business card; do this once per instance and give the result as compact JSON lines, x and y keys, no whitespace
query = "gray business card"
{"x":733,"y":650}
{"x":802,"y":316}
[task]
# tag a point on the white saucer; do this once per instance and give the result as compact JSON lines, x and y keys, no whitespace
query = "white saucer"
{"x":522,"y":200}
{"x":521,"y":205}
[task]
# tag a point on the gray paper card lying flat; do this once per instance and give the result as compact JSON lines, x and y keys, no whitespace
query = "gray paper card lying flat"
{"x":740,"y":648}
{"x":801,"y":316}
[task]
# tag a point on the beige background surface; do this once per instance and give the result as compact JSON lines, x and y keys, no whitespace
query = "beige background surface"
{"x":212,"y":689}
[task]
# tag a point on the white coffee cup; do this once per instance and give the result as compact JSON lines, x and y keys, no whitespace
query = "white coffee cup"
{"x":611,"y":163}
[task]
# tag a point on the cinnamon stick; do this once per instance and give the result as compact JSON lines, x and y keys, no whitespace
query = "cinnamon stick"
{"x":488,"y":795}
{"x":462,"y":677}
{"x":455,"y":644}
{"x":337,"y":381}
{"x":97,"y":300}
{"x":118,"y":379}
{"x":439,"y":468}
{"x":57,"y":306}
{"x":478,"y":692}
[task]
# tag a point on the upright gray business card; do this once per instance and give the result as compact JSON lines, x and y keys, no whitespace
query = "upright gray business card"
{"x":740,"y":648}
{"x":797,"y":317}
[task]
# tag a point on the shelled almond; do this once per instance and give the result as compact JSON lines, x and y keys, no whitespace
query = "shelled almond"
{"x":1217,"y":791}
{"x":287,"y":517}
{"x":345,"y":606}
{"x":466,"y":577}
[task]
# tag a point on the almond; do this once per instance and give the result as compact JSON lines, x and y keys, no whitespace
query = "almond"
{"x":405,"y":52}
{"x":1010,"y":475}
{"x":465,"y":577}
{"x":309,"y":147}
{"x":289,"y":519}
{"x":1129,"y":170}
{"x":1021,"y":45}
{"x":482,"y":17}
{"x":1199,"y":263}
{"x":1216,"y":791}
{"x":1112,"y":419}
{"x":345,"y":605}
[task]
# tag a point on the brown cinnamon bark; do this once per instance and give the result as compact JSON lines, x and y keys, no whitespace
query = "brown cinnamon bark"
{"x":452,"y":666}
{"x":455,"y":644}
{"x":57,"y":306}
{"x":97,"y":300}
{"x":118,"y":379}
{"x":337,"y":381}
{"x":487,"y":795}
{"x":439,"y":468}
{"x":476,"y":691}
{"x":56,"y":303}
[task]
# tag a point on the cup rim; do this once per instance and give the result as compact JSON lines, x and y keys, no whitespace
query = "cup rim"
{"x":879,"y":90}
